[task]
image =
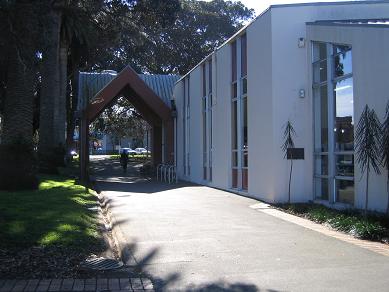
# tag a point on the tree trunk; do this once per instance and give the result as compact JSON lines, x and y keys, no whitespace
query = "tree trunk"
{"x":17,"y":169}
{"x":50,"y":91}
{"x":18,"y":106}
{"x":60,"y":105}
{"x":72,"y":107}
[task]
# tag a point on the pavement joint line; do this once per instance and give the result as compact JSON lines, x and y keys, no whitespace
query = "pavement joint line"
{"x":376,"y":247}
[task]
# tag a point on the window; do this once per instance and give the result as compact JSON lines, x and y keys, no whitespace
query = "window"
{"x":333,"y":122}
{"x":207,"y":119}
{"x":186,"y":126}
{"x":239,"y":114}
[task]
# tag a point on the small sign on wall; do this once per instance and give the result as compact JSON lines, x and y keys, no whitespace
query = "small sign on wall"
{"x":295,"y":153}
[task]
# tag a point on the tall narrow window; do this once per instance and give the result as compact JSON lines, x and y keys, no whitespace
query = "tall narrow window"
{"x":210,"y":110}
{"x":234,"y":116}
{"x":239,"y":114}
{"x":184,"y":128}
{"x":244,"y":101}
{"x":187,"y":126}
{"x":204,"y":114}
{"x":207,"y":119}
{"x":334,"y":122}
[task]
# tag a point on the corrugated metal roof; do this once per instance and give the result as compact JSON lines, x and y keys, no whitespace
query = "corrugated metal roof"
{"x":162,"y":85}
{"x":90,"y":83}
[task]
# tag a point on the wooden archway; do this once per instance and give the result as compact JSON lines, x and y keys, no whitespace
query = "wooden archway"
{"x":152,"y":108}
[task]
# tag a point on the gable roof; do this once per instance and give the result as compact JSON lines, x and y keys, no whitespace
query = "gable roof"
{"x":132,"y":85}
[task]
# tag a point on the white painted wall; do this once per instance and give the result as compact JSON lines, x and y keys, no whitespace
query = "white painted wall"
{"x":262,"y":179}
{"x":370,"y":47}
{"x":290,"y":74}
{"x":222,"y":119}
{"x":277,"y":70}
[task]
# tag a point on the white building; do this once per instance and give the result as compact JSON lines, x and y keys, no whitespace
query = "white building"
{"x":315,"y":64}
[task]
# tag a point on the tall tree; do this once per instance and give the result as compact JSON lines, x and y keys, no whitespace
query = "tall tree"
{"x":51,"y":84}
{"x":17,"y":43}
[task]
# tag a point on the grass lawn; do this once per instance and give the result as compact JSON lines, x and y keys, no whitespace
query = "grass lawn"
{"x":131,"y":157}
{"x":373,"y":226}
{"x":54,"y":219}
{"x":56,"y":214}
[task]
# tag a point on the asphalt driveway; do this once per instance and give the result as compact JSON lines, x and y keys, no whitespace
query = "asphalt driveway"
{"x":188,"y":237}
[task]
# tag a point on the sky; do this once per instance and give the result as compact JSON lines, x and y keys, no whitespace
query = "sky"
{"x":261,"y":5}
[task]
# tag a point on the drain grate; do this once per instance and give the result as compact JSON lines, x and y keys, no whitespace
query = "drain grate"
{"x":101,"y":264}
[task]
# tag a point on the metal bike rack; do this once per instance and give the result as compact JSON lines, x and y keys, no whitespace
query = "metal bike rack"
{"x":167,"y":173}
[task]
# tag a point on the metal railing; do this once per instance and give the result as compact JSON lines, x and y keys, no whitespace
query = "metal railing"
{"x":167,"y":173}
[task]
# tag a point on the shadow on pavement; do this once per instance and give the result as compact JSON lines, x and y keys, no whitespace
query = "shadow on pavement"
{"x":109,"y":177}
{"x":167,"y":283}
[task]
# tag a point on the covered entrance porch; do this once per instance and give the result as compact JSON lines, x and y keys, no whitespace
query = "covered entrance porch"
{"x":149,"y":94}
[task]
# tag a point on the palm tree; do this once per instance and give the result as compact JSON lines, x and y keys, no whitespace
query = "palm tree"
{"x":16,"y":153}
{"x":368,"y":145}
{"x":50,"y":91}
{"x":289,"y":134}
{"x":385,"y":148}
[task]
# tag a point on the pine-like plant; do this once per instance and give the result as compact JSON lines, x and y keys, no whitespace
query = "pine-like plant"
{"x":367,"y":145}
{"x":385,"y":148}
{"x":289,"y":134}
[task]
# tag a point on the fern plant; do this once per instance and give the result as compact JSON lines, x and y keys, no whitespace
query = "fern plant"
{"x":367,"y":145}
{"x":385,"y":149}
{"x":289,"y":134}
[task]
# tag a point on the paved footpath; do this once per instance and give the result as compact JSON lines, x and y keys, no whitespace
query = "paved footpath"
{"x":187,"y":237}
{"x":115,"y":284}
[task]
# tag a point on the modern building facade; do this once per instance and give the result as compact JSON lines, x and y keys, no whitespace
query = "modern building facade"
{"x":316,"y":65}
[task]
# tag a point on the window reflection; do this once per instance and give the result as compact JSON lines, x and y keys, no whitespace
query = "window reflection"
{"x":345,"y":165}
{"x":321,"y":188}
{"x":320,"y":71}
{"x":343,"y":64}
{"x":321,"y":119}
{"x":344,"y":108}
{"x":320,"y":51}
{"x":321,"y":165}
{"x":345,"y":191}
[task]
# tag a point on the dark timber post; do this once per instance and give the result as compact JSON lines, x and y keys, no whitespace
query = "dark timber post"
{"x":84,"y":148}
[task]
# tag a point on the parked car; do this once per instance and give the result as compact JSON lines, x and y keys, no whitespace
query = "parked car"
{"x":141,"y":151}
{"x":128,"y":151}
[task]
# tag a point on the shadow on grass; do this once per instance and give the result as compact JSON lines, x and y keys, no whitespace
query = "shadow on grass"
{"x":56,"y":214}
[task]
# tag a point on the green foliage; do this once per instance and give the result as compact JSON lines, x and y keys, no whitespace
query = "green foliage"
{"x":196,"y":29}
{"x":54,"y":215}
{"x":120,"y":121}
{"x":372,"y":227}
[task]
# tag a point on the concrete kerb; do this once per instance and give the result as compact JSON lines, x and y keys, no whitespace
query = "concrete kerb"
{"x":119,"y":240}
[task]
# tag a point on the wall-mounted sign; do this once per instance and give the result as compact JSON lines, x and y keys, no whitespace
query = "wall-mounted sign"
{"x":296,"y":153}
